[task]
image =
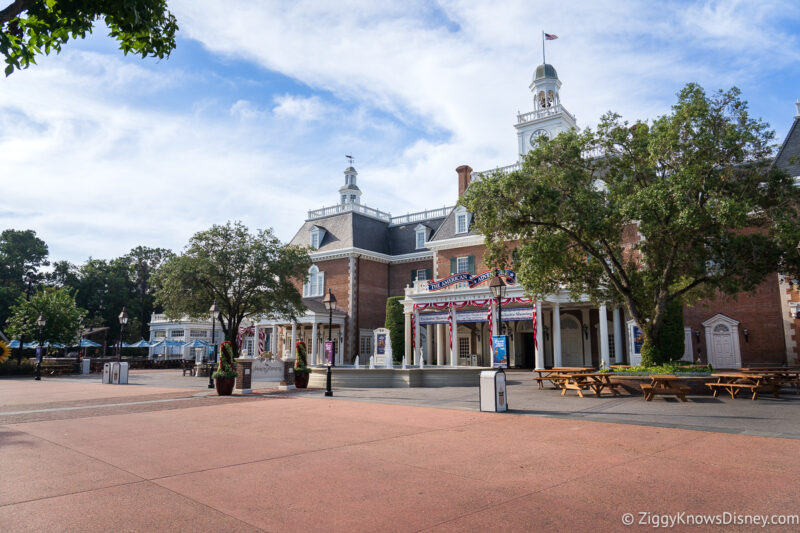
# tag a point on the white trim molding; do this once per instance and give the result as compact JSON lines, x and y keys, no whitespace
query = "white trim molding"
{"x":733,"y":327}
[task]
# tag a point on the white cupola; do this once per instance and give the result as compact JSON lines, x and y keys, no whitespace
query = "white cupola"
{"x":349,"y":193}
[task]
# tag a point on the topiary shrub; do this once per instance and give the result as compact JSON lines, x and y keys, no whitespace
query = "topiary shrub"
{"x":225,"y":369}
{"x":300,"y":362}
{"x":395,"y":323}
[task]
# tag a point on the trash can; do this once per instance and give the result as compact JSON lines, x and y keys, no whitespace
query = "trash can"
{"x":123,"y":373}
{"x":86,"y":366}
{"x":107,"y":373}
{"x":492,"y":390}
{"x":116,"y":373}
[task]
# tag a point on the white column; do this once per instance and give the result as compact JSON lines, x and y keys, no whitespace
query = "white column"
{"x":417,"y":347}
{"x":539,"y":357}
{"x":294,"y":340}
{"x":557,"y":335}
{"x":256,"y":351}
{"x":429,"y":344}
{"x":314,"y":343}
{"x":454,"y":336}
{"x":604,"y":351}
{"x":441,"y":342}
{"x":274,"y":341}
{"x":407,"y":338}
{"x":617,"y":337}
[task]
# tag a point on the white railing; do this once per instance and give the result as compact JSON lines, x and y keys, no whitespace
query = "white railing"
{"x":158,"y":317}
{"x":421,"y":215}
{"x":502,"y":170}
{"x":347,"y":208}
{"x":522,"y":118}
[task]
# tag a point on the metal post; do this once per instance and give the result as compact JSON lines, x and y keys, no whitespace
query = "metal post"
{"x":40,"y":355}
{"x":211,"y":363}
{"x":328,"y":391}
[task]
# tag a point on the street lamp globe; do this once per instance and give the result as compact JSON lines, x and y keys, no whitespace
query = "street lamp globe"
{"x":498,"y":287}
{"x":330,"y":301}
{"x":41,"y":321}
{"x":123,"y":316}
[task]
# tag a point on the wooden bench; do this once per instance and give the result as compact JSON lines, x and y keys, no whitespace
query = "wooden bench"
{"x":733,"y":388}
{"x":650,"y":391}
{"x":188,"y":366}
{"x":58,"y":368}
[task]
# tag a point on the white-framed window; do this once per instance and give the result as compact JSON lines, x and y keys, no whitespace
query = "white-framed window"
{"x":365,"y":346}
{"x":315,"y":240}
{"x":461,"y":223}
{"x":344,"y":198}
{"x":462,"y":264}
{"x":420,"y":239}
{"x":160,"y":334}
{"x":176,"y":333}
{"x":464,"y":348}
{"x":315,"y":285}
{"x":198,"y":333}
{"x":422,"y":274}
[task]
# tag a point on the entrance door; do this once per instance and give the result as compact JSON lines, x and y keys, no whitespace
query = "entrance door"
{"x":571,"y":341}
{"x":722,"y":347}
{"x":527,"y":359}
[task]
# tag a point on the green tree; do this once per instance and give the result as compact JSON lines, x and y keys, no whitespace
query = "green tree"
{"x":32,"y":27}
{"x":677,"y":209}
{"x":21,"y":251}
{"x":143,"y":263}
{"x":395,"y":323}
{"x":57,"y":306}
{"x":249,"y":276}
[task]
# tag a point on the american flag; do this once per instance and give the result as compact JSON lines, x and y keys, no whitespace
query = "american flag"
{"x":550,"y":36}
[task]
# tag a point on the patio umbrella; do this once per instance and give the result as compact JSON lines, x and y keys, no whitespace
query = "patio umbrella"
{"x":197,"y":343}
{"x":124,"y":345}
{"x":86,"y":343}
{"x":140,"y":344}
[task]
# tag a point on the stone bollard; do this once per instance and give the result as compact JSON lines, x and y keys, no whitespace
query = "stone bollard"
{"x":288,"y":374}
{"x":244,"y":376}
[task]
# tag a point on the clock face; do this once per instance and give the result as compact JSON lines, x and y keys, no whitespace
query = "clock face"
{"x":536,"y":134}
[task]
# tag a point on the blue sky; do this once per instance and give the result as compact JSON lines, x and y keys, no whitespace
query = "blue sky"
{"x":251,"y":116}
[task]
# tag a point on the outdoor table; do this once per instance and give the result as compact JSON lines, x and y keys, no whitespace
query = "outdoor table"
{"x":778,"y":376}
{"x":664,"y":384}
{"x":556,"y":374}
{"x":596,"y":381}
{"x":733,"y":382}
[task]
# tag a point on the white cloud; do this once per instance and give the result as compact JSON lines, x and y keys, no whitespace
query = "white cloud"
{"x":413,"y":89}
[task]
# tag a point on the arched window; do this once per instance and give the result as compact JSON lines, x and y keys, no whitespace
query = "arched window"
{"x":315,"y":285}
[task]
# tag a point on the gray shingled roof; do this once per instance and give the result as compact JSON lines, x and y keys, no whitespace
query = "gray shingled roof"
{"x":403,"y":239}
{"x":448,"y":229}
{"x":315,"y":305}
{"x":790,"y":149}
{"x":338,"y":232}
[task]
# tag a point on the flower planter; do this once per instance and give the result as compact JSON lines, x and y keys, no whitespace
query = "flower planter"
{"x":224,"y":386}
{"x":301,"y":379}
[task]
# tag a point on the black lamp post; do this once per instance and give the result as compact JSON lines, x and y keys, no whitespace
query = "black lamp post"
{"x":80,"y":336}
{"x":330,"y":304}
{"x":29,"y":278}
{"x":123,"y":320}
{"x":498,"y":288}
{"x":41,"y":322}
{"x":214,"y":311}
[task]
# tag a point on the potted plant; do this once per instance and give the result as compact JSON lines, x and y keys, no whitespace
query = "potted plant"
{"x":301,"y":370}
{"x":225,"y":376}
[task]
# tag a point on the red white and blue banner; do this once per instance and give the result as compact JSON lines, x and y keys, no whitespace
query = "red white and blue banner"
{"x":472,"y":280}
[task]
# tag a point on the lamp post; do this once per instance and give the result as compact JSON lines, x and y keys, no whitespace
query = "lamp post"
{"x":41,"y":322}
{"x":80,"y":336}
{"x":330,"y":304}
{"x":498,"y":288}
{"x":123,"y":320}
{"x":214,"y":311}
{"x":29,"y":278}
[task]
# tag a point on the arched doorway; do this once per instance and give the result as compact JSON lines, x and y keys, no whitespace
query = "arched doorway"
{"x":722,"y":340}
{"x":571,"y":341}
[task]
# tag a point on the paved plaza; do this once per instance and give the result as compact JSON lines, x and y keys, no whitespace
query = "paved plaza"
{"x":165,"y":454}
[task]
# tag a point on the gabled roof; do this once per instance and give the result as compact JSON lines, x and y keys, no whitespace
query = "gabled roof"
{"x":447,"y":230}
{"x":403,"y":239}
{"x":790,"y":149}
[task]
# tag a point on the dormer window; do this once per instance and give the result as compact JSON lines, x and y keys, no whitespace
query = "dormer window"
{"x":315,"y":286}
{"x":317,"y":234}
{"x":422,"y":235}
{"x":462,"y":220}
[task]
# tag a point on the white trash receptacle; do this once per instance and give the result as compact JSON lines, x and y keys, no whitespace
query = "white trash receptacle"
{"x":123,"y":373}
{"x":493,"y":396}
{"x":86,"y":366}
{"x":107,"y":373}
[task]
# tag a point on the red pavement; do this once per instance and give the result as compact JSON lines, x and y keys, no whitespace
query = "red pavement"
{"x":314,"y":464}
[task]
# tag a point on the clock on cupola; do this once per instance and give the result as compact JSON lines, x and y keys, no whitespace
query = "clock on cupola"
{"x":549,"y":117}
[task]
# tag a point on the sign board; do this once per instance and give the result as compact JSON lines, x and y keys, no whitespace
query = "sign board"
{"x":330,"y":353}
{"x":39,"y":355}
{"x":500,"y":351}
{"x":635,"y":342}
{"x":383,"y":347}
{"x":477,"y":315}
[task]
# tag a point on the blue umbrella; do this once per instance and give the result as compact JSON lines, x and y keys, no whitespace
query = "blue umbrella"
{"x":124,"y":345}
{"x":86,"y":343}
{"x":141,"y":344}
{"x":14,"y":344}
{"x":197,"y":343}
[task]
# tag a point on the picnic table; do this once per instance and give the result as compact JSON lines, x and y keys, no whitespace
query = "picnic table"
{"x":734,"y":382}
{"x":556,"y":374}
{"x":596,"y":381}
{"x":664,"y":384}
{"x":779,"y":376}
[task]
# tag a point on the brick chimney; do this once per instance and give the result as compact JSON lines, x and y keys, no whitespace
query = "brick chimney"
{"x":464,"y":177}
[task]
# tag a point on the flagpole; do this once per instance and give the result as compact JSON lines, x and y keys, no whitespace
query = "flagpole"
{"x":544,"y":61}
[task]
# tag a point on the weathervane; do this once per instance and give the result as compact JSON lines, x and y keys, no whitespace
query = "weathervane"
{"x":351,"y":159}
